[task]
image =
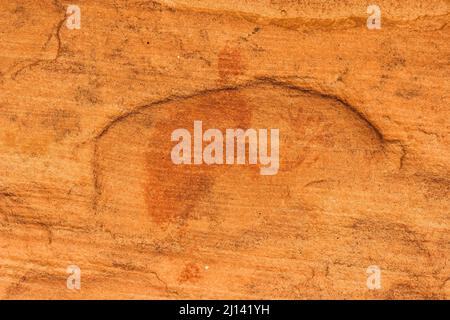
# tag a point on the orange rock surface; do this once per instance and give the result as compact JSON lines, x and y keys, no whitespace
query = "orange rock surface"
{"x":87,"y":179}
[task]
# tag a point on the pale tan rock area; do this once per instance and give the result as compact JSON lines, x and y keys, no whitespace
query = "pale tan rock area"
{"x":86,"y":175}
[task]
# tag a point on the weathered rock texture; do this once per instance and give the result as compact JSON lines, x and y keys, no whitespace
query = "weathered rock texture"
{"x":86,"y":176}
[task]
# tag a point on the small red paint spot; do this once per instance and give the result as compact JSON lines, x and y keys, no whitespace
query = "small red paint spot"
{"x":191,"y":272}
{"x":231,"y":63}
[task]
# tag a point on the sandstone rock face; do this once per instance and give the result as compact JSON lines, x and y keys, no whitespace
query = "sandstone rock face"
{"x":86,"y":117}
